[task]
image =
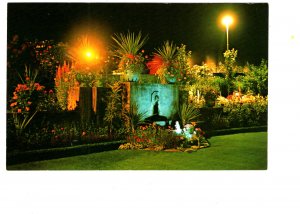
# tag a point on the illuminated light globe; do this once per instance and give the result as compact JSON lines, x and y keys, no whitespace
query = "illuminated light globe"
{"x":227,"y":20}
{"x":88,"y":54}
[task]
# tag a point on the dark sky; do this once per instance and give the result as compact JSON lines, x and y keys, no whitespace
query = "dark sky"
{"x":195,"y":24}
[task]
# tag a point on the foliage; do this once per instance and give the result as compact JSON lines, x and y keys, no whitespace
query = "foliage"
{"x":202,"y":86}
{"x":188,"y":113}
{"x":170,"y":63}
{"x":167,"y":52}
{"x":128,"y":44}
{"x":113,"y":109}
{"x":49,"y":56}
{"x":244,"y":110}
{"x":48,"y":102}
{"x":62,"y":134}
{"x":127,"y":49}
{"x":66,"y":88}
{"x":256,"y":79}
{"x":133,"y":118}
{"x":152,"y":137}
{"x":210,"y":97}
{"x":44,"y":56}
{"x":25,"y":101}
{"x":230,"y":68}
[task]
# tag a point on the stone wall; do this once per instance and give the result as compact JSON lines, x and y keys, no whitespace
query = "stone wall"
{"x":146,"y":95}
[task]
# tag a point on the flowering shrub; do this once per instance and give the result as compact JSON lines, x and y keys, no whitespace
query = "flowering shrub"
{"x":157,"y":138}
{"x":127,"y":49}
{"x":170,"y":63}
{"x":63,"y":135}
{"x":244,"y":110}
{"x":25,"y":101}
{"x":153,"y":137}
{"x":66,"y":87}
{"x":198,"y":137}
{"x":130,"y":62}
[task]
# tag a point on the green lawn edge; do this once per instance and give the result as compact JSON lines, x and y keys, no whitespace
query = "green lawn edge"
{"x":54,"y":153}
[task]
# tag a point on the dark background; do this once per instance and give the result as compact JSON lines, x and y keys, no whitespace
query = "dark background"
{"x":195,"y":24}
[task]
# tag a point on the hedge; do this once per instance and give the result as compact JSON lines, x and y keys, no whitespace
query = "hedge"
{"x":46,"y":154}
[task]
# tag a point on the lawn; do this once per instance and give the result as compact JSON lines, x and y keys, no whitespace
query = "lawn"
{"x":246,"y":151}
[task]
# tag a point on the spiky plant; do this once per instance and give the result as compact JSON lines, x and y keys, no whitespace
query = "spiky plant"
{"x":134,"y":117}
{"x":129,"y":43}
{"x":163,"y":61}
{"x":188,"y":113}
{"x":167,"y":52}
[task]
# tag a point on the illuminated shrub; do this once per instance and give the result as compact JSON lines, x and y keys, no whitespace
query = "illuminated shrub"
{"x":244,"y":110}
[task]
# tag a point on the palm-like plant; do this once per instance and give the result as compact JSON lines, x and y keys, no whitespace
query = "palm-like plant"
{"x":127,"y":50}
{"x":188,"y":113}
{"x":128,"y":44}
{"x":162,"y":59}
{"x":167,"y":52}
{"x":134,"y":117}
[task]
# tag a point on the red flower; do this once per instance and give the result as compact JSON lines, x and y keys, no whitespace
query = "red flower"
{"x":155,"y":64}
{"x":19,"y":110}
{"x":13,"y":104}
{"x":130,"y":56}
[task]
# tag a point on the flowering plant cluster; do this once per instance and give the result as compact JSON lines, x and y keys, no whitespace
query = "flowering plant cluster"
{"x":66,"y":88}
{"x":134,"y":63}
{"x":239,"y":98}
{"x":152,"y":137}
{"x":157,"y":138}
{"x":244,"y":110}
{"x":128,"y":51}
{"x":25,"y":102}
{"x":74,"y":135}
{"x":22,"y":100}
{"x":170,"y":63}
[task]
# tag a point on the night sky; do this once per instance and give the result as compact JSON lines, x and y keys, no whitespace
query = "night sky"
{"x":195,"y":24}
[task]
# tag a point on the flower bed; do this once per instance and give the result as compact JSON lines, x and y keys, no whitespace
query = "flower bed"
{"x":153,"y":137}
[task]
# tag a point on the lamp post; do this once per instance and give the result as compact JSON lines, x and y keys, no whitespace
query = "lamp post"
{"x":227,"y":21}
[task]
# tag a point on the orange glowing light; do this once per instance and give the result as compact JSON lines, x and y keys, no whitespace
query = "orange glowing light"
{"x":88,"y":54}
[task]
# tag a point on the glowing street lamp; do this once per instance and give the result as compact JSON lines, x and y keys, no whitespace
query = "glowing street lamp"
{"x":88,"y":54}
{"x":227,"y":20}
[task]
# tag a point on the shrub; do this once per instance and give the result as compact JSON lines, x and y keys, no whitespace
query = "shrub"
{"x":245,"y":110}
{"x":153,"y":137}
{"x":256,"y":79}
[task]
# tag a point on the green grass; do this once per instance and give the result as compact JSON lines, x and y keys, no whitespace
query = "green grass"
{"x":247,"y":151}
